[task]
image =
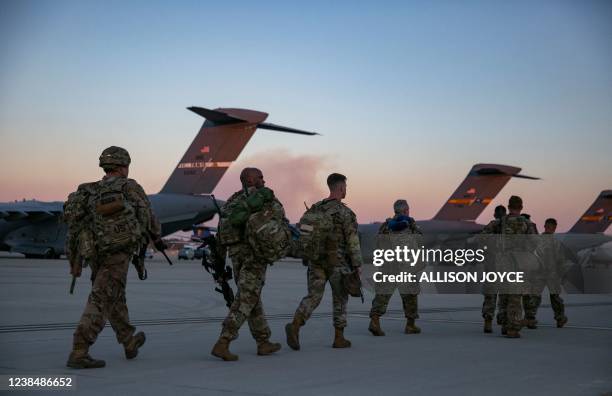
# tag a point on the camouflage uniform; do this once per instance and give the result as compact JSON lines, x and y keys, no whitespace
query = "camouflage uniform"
{"x":488,"y":308}
{"x":250,"y":274}
{"x":511,"y":311}
{"x":552,"y":257}
{"x":107,"y":298}
{"x":490,"y":294}
{"x":344,"y":249}
{"x":409,"y":300}
{"x":532,"y":304}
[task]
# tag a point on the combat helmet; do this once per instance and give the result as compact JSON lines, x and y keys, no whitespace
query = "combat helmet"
{"x":114,"y":156}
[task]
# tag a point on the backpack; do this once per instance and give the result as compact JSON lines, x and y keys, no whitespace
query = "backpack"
{"x":79,"y":238}
{"x":236,"y":213}
{"x":115,"y":225}
{"x":316,"y":228}
{"x":267,"y":232}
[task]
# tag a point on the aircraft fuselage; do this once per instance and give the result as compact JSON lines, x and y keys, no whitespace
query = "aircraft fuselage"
{"x":46,"y":237}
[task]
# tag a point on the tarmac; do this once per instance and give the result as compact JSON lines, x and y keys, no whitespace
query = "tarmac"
{"x":182,"y":314}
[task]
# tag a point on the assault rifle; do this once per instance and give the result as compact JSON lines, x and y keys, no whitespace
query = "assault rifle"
{"x":216,"y":266}
{"x":76,"y":266}
{"x":138,"y":260}
{"x":72,"y":284}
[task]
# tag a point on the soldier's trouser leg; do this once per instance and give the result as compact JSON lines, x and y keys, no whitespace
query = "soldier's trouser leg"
{"x":339,"y":296}
{"x":531,"y":303}
{"x":317,"y":278}
{"x":258,"y":324}
{"x":514,"y":312}
{"x":557,"y":305}
{"x":247,"y":303}
{"x":502,"y":309}
{"x":106,"y":302}
{"x":488,"y":306}
{"x":410,"y":303}
{"x":380,"y":302}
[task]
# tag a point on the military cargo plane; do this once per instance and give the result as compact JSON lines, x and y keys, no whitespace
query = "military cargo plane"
{"x":33,"y":228}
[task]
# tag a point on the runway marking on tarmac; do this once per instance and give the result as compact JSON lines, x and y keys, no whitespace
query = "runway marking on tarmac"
{"x":219,"y":319}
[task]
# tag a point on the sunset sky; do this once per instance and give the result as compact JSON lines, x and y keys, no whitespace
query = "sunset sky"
{"x":407,"y":96}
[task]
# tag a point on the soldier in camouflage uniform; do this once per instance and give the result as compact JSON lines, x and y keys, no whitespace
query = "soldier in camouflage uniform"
{"x":343,"y":253}
{"x":553,"y":257}
{"x":401,"y":223}
{"x":107,"y":298}
{"x":490,"y":296}
{"x":511,"y":224}
{"x":250,"y":273}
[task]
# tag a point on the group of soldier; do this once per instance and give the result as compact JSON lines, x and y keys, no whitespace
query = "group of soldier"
{"x":512,"y":306}
{"x":107,"y":299}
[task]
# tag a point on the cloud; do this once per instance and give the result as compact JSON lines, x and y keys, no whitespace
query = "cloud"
{"x":295,"y":179}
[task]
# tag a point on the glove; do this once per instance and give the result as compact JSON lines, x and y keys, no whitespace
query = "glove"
{"x":76,"y":270}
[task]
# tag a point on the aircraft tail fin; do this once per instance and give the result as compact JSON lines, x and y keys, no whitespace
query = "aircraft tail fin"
{"x":597,"y":217}
{"x":478,"y":189}
{"x":219,"y":142}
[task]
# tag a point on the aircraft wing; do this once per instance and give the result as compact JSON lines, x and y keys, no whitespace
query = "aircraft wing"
{"x":30,"y":210}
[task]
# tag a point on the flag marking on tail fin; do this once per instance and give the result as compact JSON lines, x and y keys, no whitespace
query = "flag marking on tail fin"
{"x":204,"y":165}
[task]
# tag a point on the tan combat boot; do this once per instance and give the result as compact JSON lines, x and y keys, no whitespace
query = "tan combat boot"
{"x":268,"y":348}
{"x":339,"y":340}
{"x":221,"y":350}
{"x":131,"y":347}
{"x":530,"y":323}
{"x":79,"y":359}
{"x":411,"y":328}
{"x":561,"y":322}
{"x":293,"y":332}
{"x":488,"y":326}
{"x":374,"y":327}
{"x":511,"y":333}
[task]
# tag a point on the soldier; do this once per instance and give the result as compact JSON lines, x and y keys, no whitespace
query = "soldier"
{"x":490,"y":297}
{"x":342,"y":251}
{"x":249,"y":271}
{"x":401,"y":223}
{"x":121,"y":220}
{"x":552,"y":257}
{"x":511,"y":224}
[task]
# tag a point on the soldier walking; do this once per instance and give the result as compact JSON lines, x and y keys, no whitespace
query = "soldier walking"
{"x":341,"y":251}
{"x":511,"y":224}
{"x":400,"y":223}
{"x":490,"y":292}
{"x":113,"y":217}
{"x":552,"y":256}
{"x":249,"y":268}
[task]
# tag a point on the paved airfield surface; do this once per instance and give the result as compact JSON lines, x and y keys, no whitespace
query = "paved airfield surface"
{"x":181,"y":315}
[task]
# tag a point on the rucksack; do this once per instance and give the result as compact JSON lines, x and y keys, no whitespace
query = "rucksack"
{"x":115,"y":225}
{"x":236,"y":213}
{"x":267,"y":232}
{"x":316,"y":228}
{"x":79,"y":236}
